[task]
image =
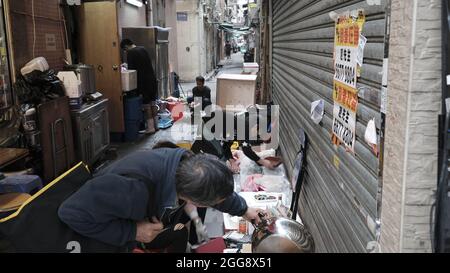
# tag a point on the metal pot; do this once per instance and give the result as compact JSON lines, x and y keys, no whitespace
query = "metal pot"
{"x":282,"y":235}
{"x":86,"y":74}
{"x":33,"y":139}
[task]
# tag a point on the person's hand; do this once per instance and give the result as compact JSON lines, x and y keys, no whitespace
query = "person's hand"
{"x":234,"y":166}
{"x":268,"y":164}
{"x":236,"y":155}
{"x":252,"y":215}
{"x":200,"y":229}
{"x":147,"y":232}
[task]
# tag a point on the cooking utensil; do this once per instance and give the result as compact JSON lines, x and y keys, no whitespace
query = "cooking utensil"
{"x":86,"y":74}
{"x":281,"y":235}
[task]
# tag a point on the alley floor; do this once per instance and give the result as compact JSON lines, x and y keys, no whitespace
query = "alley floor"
{"x":180,"y":132}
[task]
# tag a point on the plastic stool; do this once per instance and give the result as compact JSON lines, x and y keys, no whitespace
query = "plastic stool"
{"x":21,"y":184}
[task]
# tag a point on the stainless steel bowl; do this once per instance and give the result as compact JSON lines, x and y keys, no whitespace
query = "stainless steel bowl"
{"x":282,"y":235}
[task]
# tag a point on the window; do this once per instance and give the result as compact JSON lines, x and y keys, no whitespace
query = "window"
{"x":182,"y":16}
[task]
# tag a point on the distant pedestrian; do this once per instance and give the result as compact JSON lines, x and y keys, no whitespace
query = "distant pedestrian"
{"x":228,"y":49}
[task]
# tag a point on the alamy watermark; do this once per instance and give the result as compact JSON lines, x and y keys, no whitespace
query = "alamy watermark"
{"x":255,"y":124}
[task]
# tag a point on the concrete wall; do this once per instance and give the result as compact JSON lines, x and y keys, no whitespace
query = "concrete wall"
{"x":190,"y":43}
{"x":414,"y":103}
{"x":130,"y":16}
{"x":171,"y":22}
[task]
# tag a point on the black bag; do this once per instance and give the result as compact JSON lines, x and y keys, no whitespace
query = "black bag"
{"x":36,"y":227}
{"x":38,"y":87}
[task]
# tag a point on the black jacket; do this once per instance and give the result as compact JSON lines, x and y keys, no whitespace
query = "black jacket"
{"x":139,"y":59}
{"x":205,"y":93}
{"x":108,"y":207}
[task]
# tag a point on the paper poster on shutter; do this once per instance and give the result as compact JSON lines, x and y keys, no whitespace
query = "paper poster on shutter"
{"x":347,"y":42}
{"x":347,"y":47}
{"x":344,"y":114}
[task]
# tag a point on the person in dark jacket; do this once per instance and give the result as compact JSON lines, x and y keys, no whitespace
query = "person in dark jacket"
{"x":252,"y":138}
{"x":228,"y":49}
{"x":147,"y":84}
{"x":137,"y":199}
{"x":200,"y":93}
{"x":221,"y":145}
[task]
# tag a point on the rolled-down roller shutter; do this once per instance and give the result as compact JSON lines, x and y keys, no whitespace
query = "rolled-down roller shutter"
{"x":339,"y":198}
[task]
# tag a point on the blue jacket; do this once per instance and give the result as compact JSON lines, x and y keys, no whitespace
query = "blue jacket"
{"x":108,"y":207}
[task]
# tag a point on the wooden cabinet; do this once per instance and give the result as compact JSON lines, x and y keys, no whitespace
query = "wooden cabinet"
{"x":55,"y":124}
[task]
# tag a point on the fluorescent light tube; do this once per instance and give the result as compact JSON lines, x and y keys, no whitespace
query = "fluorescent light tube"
{"x":135,"y":3}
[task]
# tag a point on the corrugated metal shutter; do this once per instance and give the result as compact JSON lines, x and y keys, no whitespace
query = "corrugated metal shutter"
{"x":339,"y":198}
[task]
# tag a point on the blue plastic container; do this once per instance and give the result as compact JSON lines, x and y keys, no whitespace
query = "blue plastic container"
{"x":133,"y":108}
{"x":134,"y":117}
{"x":132,"y":130}
{"x":21,"y":184}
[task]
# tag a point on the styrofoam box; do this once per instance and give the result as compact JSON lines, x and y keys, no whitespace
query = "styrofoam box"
{"x":72,"y":84}
{"x":39,"y":64}
{"x":236,"y":92}
{"x":129,"y":80}
{"x":251,"y":67}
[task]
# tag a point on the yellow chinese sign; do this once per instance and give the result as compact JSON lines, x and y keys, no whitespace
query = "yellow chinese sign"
{"x":346,"y":96}
{"x":348,"y":29}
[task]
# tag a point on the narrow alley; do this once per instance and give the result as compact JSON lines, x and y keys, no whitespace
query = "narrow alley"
{"x":224,"y":126}
{"x":179,"y":132}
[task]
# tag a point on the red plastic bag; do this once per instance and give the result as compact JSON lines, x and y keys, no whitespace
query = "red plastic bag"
{"x":250,"y":184}
{"x":177,"y":110}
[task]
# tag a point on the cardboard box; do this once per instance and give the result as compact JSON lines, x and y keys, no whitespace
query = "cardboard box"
{"x":236,"y":92}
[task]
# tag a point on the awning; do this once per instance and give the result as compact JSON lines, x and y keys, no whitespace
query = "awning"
{"x":232,"y":29}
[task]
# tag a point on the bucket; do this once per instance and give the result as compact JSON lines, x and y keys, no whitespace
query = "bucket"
{"x":132,"y":130}
{"x":133,"y":108}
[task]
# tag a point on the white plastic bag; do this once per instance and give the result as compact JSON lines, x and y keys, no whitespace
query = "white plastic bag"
{"x":371,"y":133}
{"x":317,"y":111}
